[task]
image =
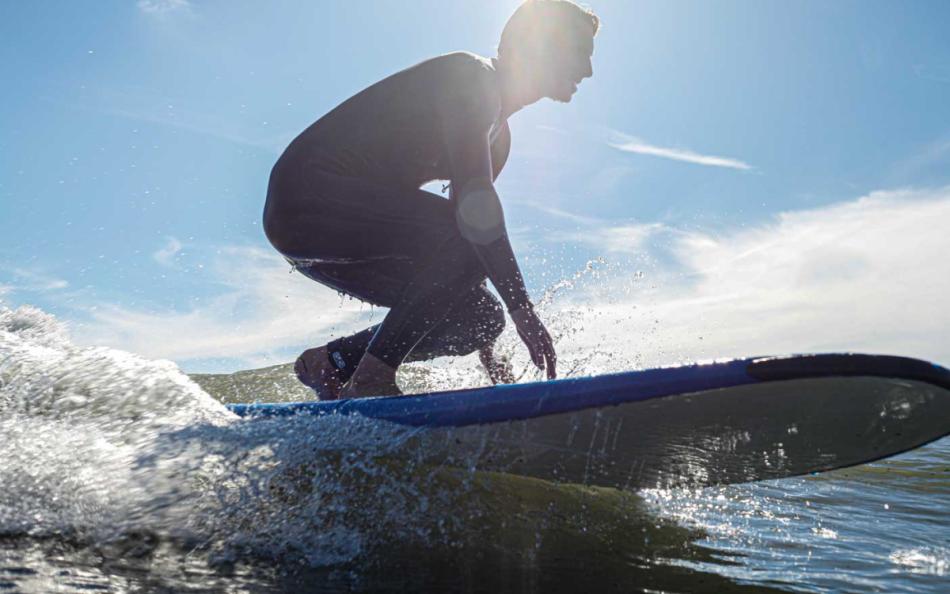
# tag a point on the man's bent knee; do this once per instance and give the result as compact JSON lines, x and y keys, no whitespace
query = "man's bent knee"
{"x":491,"y":322}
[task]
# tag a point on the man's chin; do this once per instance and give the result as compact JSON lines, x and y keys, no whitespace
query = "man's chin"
{"x":562,"y":98}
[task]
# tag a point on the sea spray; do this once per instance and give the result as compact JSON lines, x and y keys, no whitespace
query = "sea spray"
{"x":74,"y":423}
{"x":612,"y":337}
{"x":99,"y":446}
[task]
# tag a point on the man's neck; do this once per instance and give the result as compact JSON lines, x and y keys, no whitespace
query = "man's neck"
{"x":511,"y":100}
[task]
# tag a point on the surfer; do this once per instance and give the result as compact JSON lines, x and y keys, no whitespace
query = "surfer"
{"x":345,"y":208}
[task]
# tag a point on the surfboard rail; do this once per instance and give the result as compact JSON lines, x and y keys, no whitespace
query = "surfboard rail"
{"x":494,"y":404}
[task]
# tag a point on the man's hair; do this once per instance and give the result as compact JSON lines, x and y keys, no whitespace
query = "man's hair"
{"x":535,"y":21}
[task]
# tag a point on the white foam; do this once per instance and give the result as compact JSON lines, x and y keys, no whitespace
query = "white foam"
{"x":928,"y":560}
{"x":97,"y":443}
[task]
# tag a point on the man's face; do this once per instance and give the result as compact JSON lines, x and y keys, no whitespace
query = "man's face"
{"x":567,"y":63}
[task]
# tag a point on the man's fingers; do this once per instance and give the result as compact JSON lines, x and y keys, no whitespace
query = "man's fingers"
{"x":534,"y":350}
{"x":540,"y":347}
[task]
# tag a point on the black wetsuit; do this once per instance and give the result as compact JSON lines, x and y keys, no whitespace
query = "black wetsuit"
{"x":344,"y":205}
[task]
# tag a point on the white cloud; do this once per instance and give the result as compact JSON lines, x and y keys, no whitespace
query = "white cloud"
{"x":600,"y":234}
{"x":262,"y":311}
{"x":166,"y":254}
{"x":934,"y":72}
{"x":560,"y":213}
{"x":630,"y":239}
{"x":934,"y":154}
{"x":632,"y":144}
{"x":627,"y":238}
{"x":159,"y":7}
{"x":205,"y":124}
{"x":554,"y":129}
{"x":25,"y":279}
{"x":870,"y":274}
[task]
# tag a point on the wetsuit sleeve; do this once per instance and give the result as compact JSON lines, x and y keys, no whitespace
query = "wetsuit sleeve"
{"x":466,"y":124}
{"x":500,"y":149}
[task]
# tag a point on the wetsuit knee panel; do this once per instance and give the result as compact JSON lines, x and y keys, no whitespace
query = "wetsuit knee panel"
{"x":491,"y":319}
{"x":483,"y":320}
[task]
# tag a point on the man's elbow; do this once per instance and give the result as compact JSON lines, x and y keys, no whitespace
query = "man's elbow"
{"x":478,"y":212}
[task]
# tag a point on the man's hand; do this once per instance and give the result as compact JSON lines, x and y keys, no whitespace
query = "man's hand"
{"x":536,"y":338}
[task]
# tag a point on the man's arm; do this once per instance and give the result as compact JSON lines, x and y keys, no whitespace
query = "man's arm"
{"x":478,"y":210}
{"x":481,"y":220}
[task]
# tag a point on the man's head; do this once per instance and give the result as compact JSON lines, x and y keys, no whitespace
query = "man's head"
{"x":548,"y":45}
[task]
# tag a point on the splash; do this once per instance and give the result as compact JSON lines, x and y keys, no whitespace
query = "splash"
{"x":99,"y":444}
{"x":927,"y":560}
{"x":73,"y":424}
{"x":586,"y":338}
{"x":102,"y":446}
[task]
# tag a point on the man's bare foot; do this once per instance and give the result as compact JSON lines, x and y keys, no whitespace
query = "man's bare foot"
{"x":372,"y":378}
{"x":364,"y":390}
{"x":313,"y":369}
{"x":498,"y":368}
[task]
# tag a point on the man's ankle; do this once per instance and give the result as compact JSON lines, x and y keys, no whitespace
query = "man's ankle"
{"x":373,"y":377}
{"x":314,"y":369}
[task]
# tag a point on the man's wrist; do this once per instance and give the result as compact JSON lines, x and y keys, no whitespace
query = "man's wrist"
{"x":521,"y":307}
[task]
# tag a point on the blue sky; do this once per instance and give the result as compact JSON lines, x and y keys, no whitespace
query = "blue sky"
{"x":777,"y":172}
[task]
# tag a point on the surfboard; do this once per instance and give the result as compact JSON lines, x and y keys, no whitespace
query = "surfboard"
{"x":694,"y":425}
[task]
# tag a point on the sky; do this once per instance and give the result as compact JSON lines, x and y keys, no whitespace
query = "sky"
{"x":737,"y":178}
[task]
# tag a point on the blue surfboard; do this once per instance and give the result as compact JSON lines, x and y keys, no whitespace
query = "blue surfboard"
{"x":695,"y":425}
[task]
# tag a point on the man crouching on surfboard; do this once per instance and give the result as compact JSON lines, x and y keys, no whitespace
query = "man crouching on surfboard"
{"x":344,"y":204}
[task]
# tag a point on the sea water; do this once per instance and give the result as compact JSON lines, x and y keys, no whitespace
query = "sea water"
{"x":118,"y":473}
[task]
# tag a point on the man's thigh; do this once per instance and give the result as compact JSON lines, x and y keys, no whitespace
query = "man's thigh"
{"x":378,"y":281}
{"x":368,"y":240}
{"x":344,"y":219}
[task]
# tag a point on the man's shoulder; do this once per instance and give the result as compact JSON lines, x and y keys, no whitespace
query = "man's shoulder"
{"x":460,"y":68}
{"x":446,"y":75}
{"x":463,"y":59}
{"x":468,"y":79}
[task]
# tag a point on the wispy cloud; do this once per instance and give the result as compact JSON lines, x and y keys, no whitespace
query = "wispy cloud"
{"x":628,"y":238}
{"x":932,"y":155}
{"x":204,"y":124}
{"x":608,"y":237}
{"x":160,"y":7}
{"x":167,"y":253}
{"x":27,"y":279}
{"x":937,"y":73}
{"x":632,"y":144}
{"x":259,"y":314}
{"x":554,"y":129}
{"x":560,"y":213}
{"x":139,"y":105}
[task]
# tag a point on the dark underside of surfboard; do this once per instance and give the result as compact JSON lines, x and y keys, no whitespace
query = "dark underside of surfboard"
{"x":695,"y":425}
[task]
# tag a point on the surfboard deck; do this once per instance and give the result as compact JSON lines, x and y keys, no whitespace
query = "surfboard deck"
{"x":695,"y":425}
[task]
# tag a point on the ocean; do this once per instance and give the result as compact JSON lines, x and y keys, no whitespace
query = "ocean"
{"x":123,"y":474}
